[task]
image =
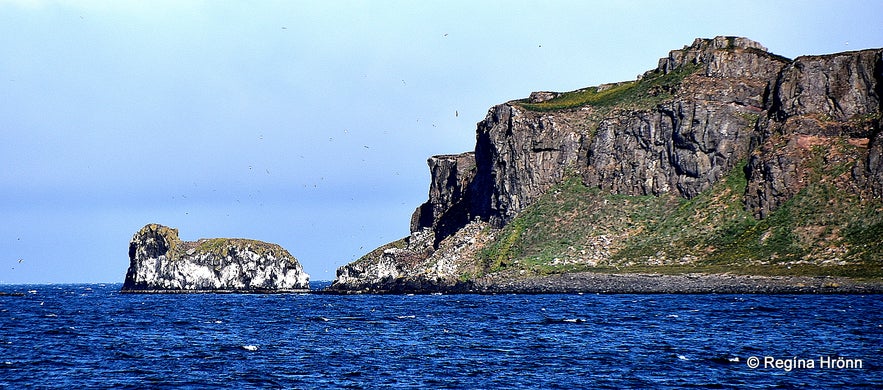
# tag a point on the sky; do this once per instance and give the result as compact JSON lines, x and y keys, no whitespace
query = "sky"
{"x":303,"y":123}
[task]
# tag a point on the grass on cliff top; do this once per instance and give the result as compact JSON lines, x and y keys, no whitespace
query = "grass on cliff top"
{"x":645,"y":93}
{"x":221,"y":247}
{"x":820,"y":232}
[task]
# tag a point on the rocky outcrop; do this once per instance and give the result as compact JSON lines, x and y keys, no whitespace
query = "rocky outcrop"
{"x":159,"y":261}
{"x":706,"y":111}
{"x":417,"y":264}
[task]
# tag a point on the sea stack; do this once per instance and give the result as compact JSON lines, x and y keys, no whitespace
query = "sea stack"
{"x":159,"y":261}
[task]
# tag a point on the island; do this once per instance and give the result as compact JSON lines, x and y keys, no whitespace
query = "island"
{"x":160,"y":262}
{"x":727,"y":168}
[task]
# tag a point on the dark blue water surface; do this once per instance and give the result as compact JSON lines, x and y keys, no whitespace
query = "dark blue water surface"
{"x":71,"y":336}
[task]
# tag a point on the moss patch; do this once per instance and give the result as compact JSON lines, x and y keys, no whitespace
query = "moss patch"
{"x":646,"y":93}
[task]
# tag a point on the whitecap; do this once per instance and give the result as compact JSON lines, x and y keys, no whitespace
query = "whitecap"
{"x":405,"y":317}
{"x":682,"y":357}
{"x":250,"y":347}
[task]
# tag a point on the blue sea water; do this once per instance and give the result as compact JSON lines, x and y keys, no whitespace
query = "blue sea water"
{"x":69,"y":336}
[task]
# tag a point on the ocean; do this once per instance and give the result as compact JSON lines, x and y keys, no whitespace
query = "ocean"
{"x":92,"y":336}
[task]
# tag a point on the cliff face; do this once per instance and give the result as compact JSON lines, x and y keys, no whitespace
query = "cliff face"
{"x":719,"y":108}
{"x":160,"y":261}
{"x":829,"y":103}
{"x":680,"y":128}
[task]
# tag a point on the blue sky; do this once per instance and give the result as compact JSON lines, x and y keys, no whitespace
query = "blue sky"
{"x":304,"y":123}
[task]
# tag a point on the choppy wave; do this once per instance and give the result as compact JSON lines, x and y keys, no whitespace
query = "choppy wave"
{"x":91,"y":336}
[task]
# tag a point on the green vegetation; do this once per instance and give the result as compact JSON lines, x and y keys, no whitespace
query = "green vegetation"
{"x":640,"y":94}
{"x":376,"y":253}
{"x":570,"y":221}
{"x":221,"y":247}
{"x":822,"y":230}
{"x":216,"y":246}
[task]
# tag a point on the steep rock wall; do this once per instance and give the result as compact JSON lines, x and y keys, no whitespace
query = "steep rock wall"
{"x":684,"y":141}
{"x":819,"y":105}
{"x":450,"y":196}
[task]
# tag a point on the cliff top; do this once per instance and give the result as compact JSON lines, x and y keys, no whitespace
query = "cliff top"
{"x":178,"y":248}
{"x":719,"y":57}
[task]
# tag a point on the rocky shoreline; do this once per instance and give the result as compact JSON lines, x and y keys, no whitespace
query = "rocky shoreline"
{"x":604,"y":283}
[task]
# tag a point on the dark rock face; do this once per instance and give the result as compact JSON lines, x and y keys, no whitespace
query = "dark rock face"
{"x":684,"y":144}
{"x":160,"y":262}
{"x":687,"y":144}
{"x":519,"y":156}
{"x":724,"y":57}
{"x":727,"y":101}
{"x":816,"y":102}
{"x":448,"y":208}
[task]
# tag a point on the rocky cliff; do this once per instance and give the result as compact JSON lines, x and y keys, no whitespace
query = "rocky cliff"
{"x":725,"y":158}
{"x":159,"y":261}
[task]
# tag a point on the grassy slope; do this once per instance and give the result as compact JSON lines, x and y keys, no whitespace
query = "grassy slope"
{"x":821,"y":231}
{"x":653,"y":89}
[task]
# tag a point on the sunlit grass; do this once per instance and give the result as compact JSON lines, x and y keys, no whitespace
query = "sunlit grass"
{"x":647,"y":92}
